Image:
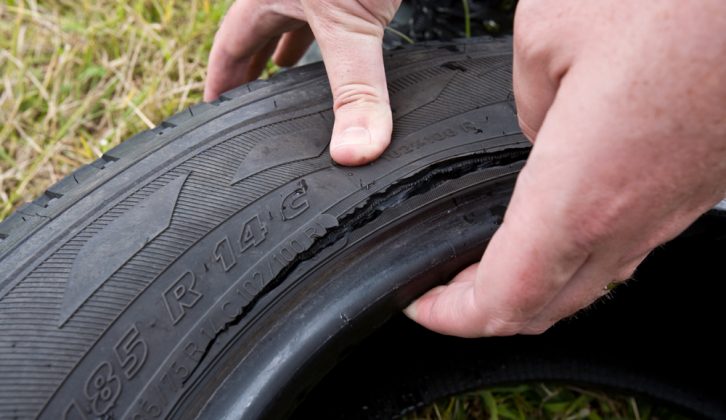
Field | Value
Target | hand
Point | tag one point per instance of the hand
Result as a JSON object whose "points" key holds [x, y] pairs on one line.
{"points": [[349, 33], [625, 103]]}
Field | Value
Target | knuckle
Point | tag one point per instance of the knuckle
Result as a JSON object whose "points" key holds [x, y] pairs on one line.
{"points": [[289, 9], [357, 95], [500, 327], [538, 38], [527, 129], [537, 328], [624, 274], [527, 36], [521, 37], [334, 17]]}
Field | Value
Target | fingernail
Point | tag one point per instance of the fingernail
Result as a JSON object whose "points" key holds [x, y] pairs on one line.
{"points": [[410, 311], [354, 136]]}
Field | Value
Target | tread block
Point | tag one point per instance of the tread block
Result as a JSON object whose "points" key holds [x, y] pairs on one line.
{"points": [[200, 108], [23, 217], [297, 74], [72, 181], [135, 142], [162, 128], [179, 118], [45, 199], [30, 209], [256, 84], [103, 161], [236, 92], [11, 224]]}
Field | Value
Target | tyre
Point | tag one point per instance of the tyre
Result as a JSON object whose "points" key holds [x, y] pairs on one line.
{"points": [[220, 264], [656, 337]]}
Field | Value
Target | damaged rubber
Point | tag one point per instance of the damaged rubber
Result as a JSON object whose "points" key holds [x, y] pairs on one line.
{"points": [[122, 287]]}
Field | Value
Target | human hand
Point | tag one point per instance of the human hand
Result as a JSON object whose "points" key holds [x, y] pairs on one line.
{"points": [[349, 32], [625, 103]]}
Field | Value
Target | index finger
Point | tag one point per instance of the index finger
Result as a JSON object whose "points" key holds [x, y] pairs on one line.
{"points": [[249, 29]]}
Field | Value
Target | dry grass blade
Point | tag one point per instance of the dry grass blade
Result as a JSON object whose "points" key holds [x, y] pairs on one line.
{"points": [[79, 77]]}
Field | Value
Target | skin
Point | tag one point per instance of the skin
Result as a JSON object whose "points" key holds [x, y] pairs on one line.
{"points": [[625, 103], [349, 34]]}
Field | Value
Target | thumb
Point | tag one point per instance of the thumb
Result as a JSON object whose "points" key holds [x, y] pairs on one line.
{"points": [[350, 37], [443, 308]]}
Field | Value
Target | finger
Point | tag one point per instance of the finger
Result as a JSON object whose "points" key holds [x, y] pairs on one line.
{"points": [[259, 61], [246, 30], [540, 246], [350, 42], [224, 72], [534, 92], [600, 190], [447, 302], [464, 278], [535, 75], [592, 282], [293, 46], [523, 269], [567, 212]]}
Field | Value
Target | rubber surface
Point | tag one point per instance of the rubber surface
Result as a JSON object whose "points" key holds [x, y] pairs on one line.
{"points": [[123, 284]]}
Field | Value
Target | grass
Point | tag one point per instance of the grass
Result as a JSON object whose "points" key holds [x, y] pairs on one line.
{"points": [[467, 18], [78, 77], [542, 401]]}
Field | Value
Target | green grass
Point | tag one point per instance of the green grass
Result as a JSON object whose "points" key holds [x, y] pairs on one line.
{"points": [[78, 77], [467, 18], [542, 401]]}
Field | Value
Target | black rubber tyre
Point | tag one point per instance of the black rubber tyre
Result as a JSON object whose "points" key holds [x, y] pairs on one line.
{"points": [[658, 338], [219, 264]]}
